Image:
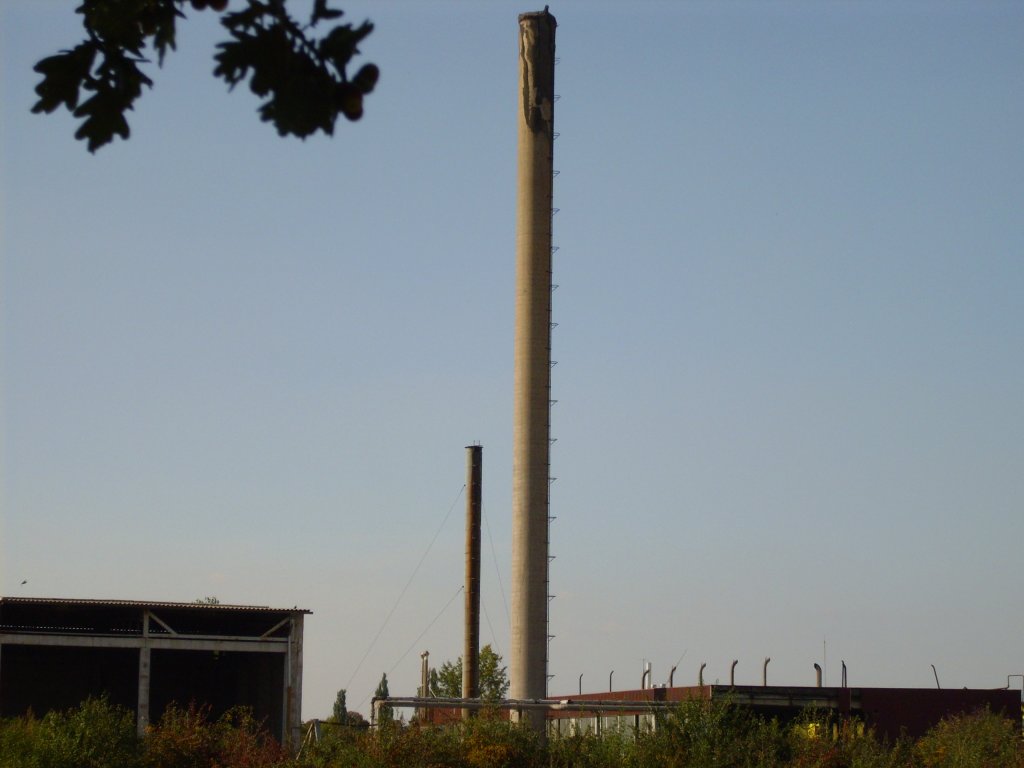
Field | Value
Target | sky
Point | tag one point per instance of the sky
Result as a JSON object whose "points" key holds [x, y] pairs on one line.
{"points": [[790, 342]]}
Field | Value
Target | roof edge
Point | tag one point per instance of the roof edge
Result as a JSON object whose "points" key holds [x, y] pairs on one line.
{"points": [[96, 603]]}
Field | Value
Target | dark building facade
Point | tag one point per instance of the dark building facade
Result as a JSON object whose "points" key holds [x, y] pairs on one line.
{"points": [[890, 712], [144, 656]]}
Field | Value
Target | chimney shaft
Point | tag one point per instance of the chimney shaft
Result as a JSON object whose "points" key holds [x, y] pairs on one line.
{"points": [[532, 385], [471, 649]]}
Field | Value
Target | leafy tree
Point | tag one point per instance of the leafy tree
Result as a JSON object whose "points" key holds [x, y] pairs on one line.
{"points": [[302, 78], [382, 693], [447, 681], [356, 720], [340, 714], [208, 600]]}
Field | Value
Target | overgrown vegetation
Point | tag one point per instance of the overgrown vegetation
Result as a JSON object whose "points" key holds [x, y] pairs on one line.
{"points": [[97, 734]]}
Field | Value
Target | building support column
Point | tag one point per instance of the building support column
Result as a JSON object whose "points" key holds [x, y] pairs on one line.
{"points": [[293, 681], [142, 715], [142, 712]]}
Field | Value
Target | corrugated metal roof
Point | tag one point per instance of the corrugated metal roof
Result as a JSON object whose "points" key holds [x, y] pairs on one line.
{"points": [[144, 604]]}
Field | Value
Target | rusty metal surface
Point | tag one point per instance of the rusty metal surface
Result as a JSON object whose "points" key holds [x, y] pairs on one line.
{"points": [[913, 711], [134, 618], [56, 601], [889, 711]]}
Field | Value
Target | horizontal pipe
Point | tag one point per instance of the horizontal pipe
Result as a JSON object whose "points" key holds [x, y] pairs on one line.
{"points": [[570, 705]]}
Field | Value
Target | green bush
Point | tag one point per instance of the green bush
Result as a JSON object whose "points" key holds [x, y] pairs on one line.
{"points": [[610, 750], [415, 747], [978, 740], [188, 738], [18, 737], [703, 734], [496, 743], [95, 734], [337, 747], [182, 738], [480, 742]]}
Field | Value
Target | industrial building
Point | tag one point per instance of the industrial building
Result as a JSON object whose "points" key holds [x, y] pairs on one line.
{"points": [[146, 655], [889, 712]]}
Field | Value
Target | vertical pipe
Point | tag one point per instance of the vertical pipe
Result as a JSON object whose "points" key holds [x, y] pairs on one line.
{"points": [[471, 648], [817, 674], [425, 712], [532, 363], [764, 672], [732, 672], [700, 675]]}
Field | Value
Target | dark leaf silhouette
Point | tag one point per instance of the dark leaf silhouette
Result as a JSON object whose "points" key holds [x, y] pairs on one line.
{"points": [[301, 78]]}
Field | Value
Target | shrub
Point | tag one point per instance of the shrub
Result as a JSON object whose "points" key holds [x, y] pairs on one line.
{"points": [[182, 738], [977, 740], [18, 738], [187, 738], [95, 734], [705, 734], [243, 742], [587, 750], [339, 747], [415, 747], [494, 743]]}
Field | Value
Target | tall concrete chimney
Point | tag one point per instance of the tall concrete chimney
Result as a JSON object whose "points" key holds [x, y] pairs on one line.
{"points": [[471, 649], [531, 428]]}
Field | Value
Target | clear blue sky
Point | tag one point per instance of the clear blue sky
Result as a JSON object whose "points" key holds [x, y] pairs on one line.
{"points": [[790, 347]]}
